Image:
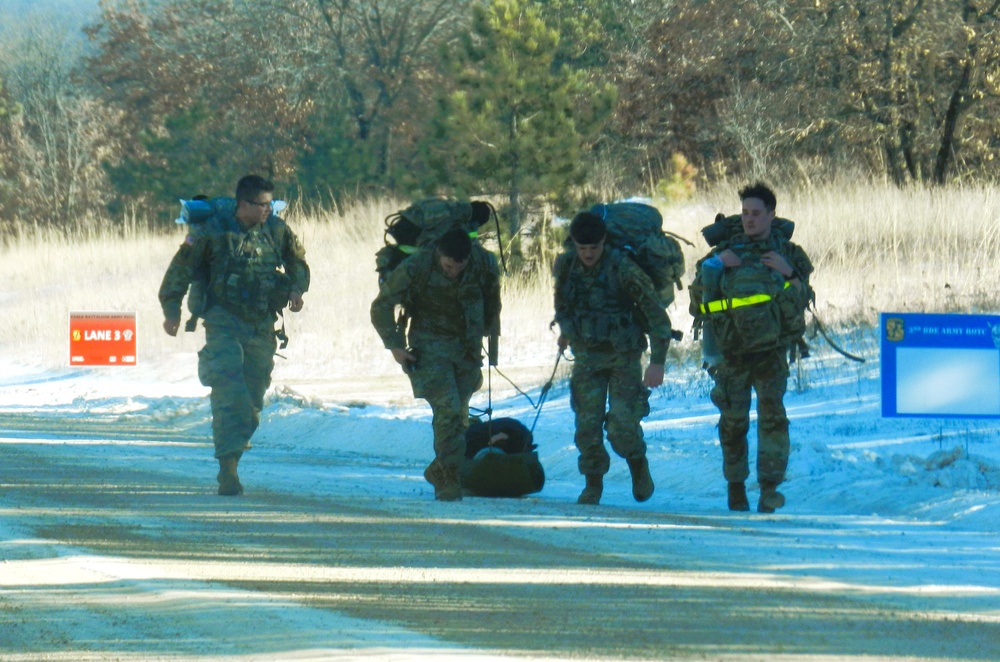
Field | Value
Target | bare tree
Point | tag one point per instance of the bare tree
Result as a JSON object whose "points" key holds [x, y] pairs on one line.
{"points": [[379, 56], [61, 133]]}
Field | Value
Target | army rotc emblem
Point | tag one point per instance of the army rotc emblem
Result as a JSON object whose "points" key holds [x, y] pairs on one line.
{"points": [[894, 330]]}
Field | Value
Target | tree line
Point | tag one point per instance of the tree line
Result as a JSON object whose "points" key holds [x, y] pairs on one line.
{"points": [[537, 103]]}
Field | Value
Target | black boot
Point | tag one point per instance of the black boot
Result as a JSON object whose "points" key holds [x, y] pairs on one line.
{"points": [[591, 494], [738, 496], [642, 482]]}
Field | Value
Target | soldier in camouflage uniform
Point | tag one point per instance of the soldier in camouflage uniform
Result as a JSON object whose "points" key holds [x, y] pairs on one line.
{"points": [[256, 266], [764, 289], [450, 291], [605, 305]]}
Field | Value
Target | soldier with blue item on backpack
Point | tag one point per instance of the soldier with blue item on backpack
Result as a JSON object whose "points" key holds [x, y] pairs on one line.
{"points": [[751, 293], [606, 305], [449, 289], [253, 266]]}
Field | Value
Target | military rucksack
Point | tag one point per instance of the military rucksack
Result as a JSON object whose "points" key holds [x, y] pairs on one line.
{"points": [[637, 229], [725, 227], [753, 321], [423, 223], [198, 214], [751, 317]]}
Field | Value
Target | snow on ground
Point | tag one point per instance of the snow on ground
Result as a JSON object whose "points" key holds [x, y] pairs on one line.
{"points": [[898, 508], [846, 458]]}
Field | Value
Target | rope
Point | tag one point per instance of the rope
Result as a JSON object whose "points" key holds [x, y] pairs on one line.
{"points": [[541, 396], [838, 348], [545, 392]]}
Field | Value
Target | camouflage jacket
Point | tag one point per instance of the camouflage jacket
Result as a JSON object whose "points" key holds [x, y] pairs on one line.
{"points": [[467, 307], [250, 273], [613, 305]]}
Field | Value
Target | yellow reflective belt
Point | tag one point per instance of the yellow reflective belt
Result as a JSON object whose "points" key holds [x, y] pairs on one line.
{"points": [[738, 302]]}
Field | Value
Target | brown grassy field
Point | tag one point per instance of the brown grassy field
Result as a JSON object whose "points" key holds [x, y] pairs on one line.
{"points": [[875, 248]]}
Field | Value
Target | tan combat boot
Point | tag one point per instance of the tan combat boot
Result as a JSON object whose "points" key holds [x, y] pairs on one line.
{"points": [[444, 478], [770, 498], [591, 494], [450, 487], [642, 482], [229, 481]]}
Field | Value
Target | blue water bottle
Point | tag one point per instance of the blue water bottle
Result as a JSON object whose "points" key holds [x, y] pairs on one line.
{"points": [[711, 275]]}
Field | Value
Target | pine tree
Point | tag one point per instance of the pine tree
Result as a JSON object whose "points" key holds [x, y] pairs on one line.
{"points": [[517, 124]]}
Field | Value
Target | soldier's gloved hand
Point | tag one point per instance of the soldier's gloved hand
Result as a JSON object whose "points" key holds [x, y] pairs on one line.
{"points": [[171, 326], [295, 302]]}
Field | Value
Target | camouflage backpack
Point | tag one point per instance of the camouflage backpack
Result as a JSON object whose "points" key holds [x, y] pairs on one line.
{"points": [[752, 319], [637, 229], [423, 223], [724, 227], [750, 316]]}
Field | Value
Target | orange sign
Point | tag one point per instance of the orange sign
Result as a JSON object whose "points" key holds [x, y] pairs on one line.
{"points": [[102, 339]]}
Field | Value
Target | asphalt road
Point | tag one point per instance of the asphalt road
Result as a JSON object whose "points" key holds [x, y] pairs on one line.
{"points": [[127, 554]]}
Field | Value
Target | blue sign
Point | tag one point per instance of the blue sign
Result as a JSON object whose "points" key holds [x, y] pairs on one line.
{"points": [[941, 366]]}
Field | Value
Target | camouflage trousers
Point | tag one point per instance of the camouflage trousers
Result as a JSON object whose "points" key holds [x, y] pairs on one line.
{"points": [[606, 392], [236, 363], [767, 374], [446, 377]]}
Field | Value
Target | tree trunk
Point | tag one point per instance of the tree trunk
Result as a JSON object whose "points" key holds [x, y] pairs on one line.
{"points": [[946, 149], [514, 193]]}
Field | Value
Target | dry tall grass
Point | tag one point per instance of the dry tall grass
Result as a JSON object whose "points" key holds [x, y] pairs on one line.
{"points": [[876, 248]]}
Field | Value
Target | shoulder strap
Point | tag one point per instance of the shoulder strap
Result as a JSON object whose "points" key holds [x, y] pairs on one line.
{"points": [[275, 228], [616, 259], [421, 263]]}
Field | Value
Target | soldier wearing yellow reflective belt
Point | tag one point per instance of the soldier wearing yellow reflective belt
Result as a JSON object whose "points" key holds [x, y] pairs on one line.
{"points": [[754, 315]]}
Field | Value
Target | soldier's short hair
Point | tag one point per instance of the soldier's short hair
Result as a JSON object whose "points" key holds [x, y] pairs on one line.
{"points": [[456, 244], [587, 228], [762, 192], [251, 186]]}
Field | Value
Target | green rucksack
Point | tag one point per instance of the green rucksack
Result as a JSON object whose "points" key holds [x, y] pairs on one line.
{"points": [[745, 326], [637, 229], [754, 320], [725, 227], [423, 223]]}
